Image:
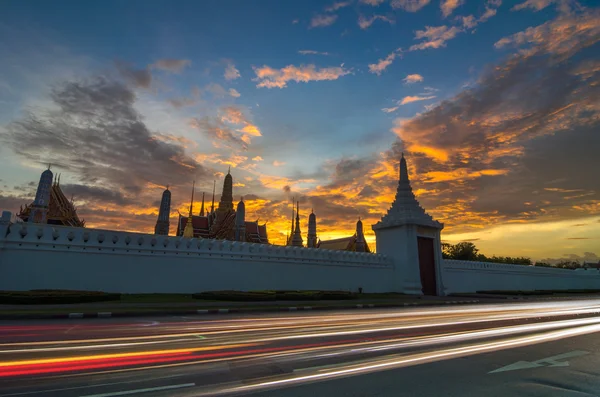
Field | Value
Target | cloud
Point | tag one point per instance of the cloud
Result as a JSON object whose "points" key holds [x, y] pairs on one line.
{"points": [[216, 90], [434, 37], [182, 102], [215, 158], [559, 38], [469, 22], [366, 22], [96, 134], [171, 65], [413, 78], [382, 64], [373, 3], [231, 73], [234, 115], [219, 132], [409, 5], [337, 5], [233, 92], [410, 99], [390, 110], [312, 52], [322, 20], [500, 138], [278, 78], [257, 158], [141, 78], [295, 21], [448, 6], [277, 163], [538, 5]]}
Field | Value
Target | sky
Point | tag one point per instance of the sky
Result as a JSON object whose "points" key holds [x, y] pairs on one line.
{"points": [[495, 104]]}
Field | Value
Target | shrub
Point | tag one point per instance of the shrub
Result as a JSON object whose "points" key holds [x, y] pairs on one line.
{"points": [[46, 297]]}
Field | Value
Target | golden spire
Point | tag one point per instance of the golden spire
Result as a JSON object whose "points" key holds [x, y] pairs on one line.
{"points": [[189, 228]]}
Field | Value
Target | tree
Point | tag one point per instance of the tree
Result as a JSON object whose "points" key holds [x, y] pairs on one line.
{"points": [[463, 251]]}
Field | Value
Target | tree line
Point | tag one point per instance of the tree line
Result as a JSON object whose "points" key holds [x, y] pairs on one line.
{"points": [[467, 251]]}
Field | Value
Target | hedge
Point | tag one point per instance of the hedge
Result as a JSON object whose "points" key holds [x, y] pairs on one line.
{"points": [[45, 297], [254, 296]]}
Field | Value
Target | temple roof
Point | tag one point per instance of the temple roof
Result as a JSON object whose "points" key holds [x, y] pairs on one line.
{"points": [[61, 210], [341, 244], [405, 209]]}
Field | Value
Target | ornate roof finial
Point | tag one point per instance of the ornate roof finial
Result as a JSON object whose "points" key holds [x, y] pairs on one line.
{"points": [[167, 187], [229, 170], [58, 182], [242, 199], [49, 165]]}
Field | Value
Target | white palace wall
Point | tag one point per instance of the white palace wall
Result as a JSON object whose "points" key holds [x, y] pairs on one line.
{"points": [[468, 276], [35, 256]]}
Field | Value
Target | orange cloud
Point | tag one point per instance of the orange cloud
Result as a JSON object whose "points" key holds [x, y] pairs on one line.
{"points": [[382, 64], [415, 98], [278, 78]]}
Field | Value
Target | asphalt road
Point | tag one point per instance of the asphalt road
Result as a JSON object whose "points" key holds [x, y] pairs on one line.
{"points": [[516, 349]]}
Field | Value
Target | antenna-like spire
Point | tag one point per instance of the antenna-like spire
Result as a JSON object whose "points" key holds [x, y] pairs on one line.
{"points": [[58, 182], [229, 170], [202, 207], [212, 206], [192, 201]]}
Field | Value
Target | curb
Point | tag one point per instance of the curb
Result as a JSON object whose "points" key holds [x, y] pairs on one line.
{"points": [[189, 312]]}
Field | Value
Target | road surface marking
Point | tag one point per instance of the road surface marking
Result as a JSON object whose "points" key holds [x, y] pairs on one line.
{"points": [[75, 315], [126, 392], [151, 324], [544, 362]]}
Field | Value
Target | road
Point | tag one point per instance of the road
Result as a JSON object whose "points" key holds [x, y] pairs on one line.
{"points": [[529, 348]]}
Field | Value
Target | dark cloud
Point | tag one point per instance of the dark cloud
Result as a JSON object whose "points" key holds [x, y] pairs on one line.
{"points": [[97, 135], [287, 189], [588, 257], [97, 194], [137, 77], [579, 238]]}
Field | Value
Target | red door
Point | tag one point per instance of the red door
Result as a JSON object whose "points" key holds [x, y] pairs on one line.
{"points": [[427, 265]]}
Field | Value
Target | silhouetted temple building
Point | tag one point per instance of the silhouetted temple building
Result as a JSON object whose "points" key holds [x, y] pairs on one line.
{"points": [[356, 242], [50, 204], [225, 222]]}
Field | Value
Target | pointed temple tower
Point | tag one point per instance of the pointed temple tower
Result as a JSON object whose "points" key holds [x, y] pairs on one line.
{"points": [[411, 237], [189, 228], [311, 237], [202, 207], [360, 245], [297, 236], [240, 222], [226, 203], [162, 223], [39, 208]]}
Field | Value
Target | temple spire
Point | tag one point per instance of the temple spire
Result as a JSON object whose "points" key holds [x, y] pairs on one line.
{"points": [[311, 237], [405, 209], [297, 237], [212, 206], [202, 207], [189, 228], [164, 211], [226, 202], [289, 240]]}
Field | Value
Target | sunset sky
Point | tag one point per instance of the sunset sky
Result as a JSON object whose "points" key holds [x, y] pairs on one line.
{"points": [[496, 105]]}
